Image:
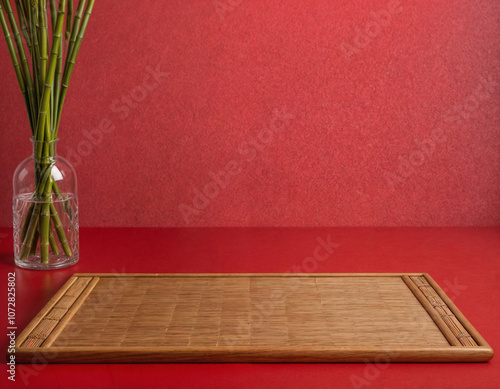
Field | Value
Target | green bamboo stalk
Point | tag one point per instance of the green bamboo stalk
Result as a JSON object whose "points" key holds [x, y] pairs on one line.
{"points": [[48, 146], [60, 231], [26, 221], [22, 55], [45, 222], [34, 243], [76, 26], [37, 34], [52, 241], [69, 19], [11, 48], [43, 168], [45, 165], [54, 91], [15, 62], [17, 39], [71, 59], [23, 21], [42, 10], [74, 33], [67, 204], [53, 13], [28, 239], [53, 105], [35, 63], [49, 81], [57, 86]]}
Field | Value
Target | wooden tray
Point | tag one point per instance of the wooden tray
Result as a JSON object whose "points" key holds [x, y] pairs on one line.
{"points": [[100, 318]]}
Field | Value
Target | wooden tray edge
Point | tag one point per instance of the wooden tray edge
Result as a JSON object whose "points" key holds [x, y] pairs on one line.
{"points": [[41, 316], [46, 308], [452, 340], [460, 316], [254, 354], [443, 327], [101, 275]]}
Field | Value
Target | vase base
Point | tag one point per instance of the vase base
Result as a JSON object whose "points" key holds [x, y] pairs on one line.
{"points": [[55, 262]]}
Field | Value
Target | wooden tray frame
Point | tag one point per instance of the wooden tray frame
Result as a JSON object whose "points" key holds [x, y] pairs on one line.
{"points": [[456, 352]]}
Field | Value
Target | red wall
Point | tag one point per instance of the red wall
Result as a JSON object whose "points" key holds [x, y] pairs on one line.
{"points": [[316, 112]]}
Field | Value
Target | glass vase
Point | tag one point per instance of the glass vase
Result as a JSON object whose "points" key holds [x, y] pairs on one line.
{"points": [[45, 208]]}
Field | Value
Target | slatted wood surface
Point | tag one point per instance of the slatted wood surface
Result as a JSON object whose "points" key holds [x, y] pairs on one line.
{"points": [[251, 318]]}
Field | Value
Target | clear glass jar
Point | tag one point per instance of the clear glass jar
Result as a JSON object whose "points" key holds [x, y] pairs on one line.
{"points": [[45, 208]]}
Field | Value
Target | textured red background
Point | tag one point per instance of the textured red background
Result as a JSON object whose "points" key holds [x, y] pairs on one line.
{"points": [[230, 64]]}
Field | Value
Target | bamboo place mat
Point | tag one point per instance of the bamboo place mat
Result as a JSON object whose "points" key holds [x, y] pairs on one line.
{"points": [[153, 318]]}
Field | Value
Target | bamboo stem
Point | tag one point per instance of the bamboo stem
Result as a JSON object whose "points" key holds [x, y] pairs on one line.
{"points": [[43, 40], [45, 222], [69, 19], [34, 243], [61, 95], [22, 57], [44, 103], [71, 57], [17, 38], [26, 246], [15, 62], [32, 19], [67, 204], [53, 13], [76, 26], [44, 168], [55, 91], [60, 231], [23, 21], [57, 86], [52, 241], [26, 222]]}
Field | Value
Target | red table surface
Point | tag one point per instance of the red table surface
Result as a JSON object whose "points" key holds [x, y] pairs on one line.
{"points": [[464, 261]]}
